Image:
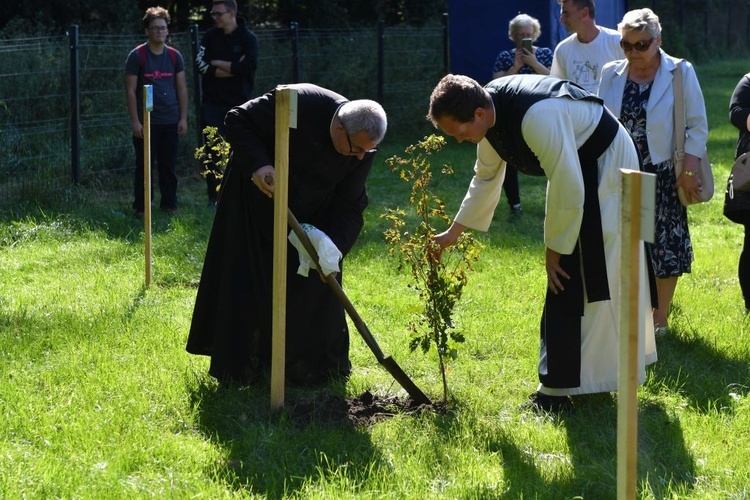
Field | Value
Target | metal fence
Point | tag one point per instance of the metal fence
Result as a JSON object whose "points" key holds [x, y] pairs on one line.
{"points": [[64, 121]]}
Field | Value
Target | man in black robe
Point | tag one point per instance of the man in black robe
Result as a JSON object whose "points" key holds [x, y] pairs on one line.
{"points": [[330, 155]]}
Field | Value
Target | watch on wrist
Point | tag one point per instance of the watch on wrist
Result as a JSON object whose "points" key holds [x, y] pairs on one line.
{"points": [[689, 173]]}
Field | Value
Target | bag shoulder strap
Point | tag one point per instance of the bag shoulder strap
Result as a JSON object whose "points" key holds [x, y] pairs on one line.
{"points": [[142, 55], [679, 109], [172, 55], [141, 49]]}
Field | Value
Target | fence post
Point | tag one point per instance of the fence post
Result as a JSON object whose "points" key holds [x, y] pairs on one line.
{"points": [[198, 90], [381, 60], [75, 105], [446, 45], [294, 33], [730, 9]]}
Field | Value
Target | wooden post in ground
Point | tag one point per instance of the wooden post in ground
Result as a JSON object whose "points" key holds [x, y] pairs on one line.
{"points": [[637, 223], [148, 106], [286, 117]]}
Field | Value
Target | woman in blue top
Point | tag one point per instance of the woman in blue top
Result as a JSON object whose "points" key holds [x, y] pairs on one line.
{"points": [[520, 60]]}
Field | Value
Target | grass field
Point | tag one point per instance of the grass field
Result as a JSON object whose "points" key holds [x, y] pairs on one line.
{"points": [[98, 398]]}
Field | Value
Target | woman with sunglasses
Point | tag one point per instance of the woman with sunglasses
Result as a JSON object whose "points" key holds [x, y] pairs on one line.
{"points": [[639, 90]]}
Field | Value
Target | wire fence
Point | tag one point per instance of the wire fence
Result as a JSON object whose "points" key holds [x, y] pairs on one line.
{"points": [[64, 121]]}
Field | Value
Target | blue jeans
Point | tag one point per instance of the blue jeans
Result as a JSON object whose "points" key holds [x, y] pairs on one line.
{"points": [[164, 141]]}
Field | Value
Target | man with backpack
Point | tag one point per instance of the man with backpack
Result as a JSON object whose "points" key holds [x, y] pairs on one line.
{"points": [[154, 63]]}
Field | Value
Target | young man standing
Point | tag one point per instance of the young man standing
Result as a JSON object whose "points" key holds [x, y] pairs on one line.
{"points": [[227, 59], [154, 63], [580, 57]]}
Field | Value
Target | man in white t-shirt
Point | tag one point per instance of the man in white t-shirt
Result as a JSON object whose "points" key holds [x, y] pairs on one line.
{"points": [[580, 57]]}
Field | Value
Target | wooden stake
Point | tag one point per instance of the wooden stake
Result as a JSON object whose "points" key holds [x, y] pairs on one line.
{"points": [[285, 107], [148, 105], [630, 320]]}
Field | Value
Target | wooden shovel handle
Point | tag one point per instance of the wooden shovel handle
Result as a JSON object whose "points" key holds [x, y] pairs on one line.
{"points": [[336, 287]]}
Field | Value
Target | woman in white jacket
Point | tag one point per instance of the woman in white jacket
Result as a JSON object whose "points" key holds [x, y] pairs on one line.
{"points": [[639, 90]]}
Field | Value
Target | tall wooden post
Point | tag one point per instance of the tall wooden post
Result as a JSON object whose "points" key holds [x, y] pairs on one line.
{"points": [[286, 117], [148, 106], [637, 223]]}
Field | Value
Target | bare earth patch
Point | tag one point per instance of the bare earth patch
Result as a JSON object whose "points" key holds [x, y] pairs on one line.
{"points": [[366, 409]]}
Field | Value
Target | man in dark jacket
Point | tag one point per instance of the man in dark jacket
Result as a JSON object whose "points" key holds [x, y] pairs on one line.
{"points": [[227, 59], [330, 155]]}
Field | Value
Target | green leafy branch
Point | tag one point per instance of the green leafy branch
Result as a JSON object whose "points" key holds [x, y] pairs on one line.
{"points": [[213, 153], [438, 279]]}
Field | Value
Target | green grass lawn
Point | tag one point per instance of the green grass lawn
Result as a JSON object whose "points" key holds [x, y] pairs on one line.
{"points": [[98, 398]]}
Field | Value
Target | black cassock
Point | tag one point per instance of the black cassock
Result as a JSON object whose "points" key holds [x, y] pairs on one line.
{"points": [[233, 308]]}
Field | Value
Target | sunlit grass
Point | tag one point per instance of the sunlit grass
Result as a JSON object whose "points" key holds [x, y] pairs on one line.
{"points": [[98, 398]]}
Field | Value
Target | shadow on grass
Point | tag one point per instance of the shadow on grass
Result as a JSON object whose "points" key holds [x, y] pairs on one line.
{"points": [[178, 241], [694, 368], [665, 465], [96, 210], [522, 475], [270, 453]]}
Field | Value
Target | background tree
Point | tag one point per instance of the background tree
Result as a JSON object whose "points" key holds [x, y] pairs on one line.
{"points": [[122, 15]]}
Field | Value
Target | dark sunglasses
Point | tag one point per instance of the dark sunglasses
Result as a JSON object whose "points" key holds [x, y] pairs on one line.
{"points": [[640, 46]]}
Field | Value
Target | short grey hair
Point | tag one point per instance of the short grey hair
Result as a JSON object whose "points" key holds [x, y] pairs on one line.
{"points": [[640, 20], [524, 20], [364, 115]]}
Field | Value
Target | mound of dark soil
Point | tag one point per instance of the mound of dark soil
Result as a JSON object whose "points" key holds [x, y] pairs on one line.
{"points": [[366, 409]]}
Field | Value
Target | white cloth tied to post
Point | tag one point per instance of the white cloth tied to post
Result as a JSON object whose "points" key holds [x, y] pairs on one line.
{"points": [[328, 253]]}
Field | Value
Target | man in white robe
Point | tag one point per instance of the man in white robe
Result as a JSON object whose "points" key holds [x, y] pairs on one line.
{"points": [[543, 125]]}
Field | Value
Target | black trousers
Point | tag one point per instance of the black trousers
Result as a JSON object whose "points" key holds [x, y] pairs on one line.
{"points": [[510, 185], [164, 142]]}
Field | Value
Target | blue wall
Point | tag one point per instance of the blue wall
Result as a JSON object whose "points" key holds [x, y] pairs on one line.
{"points": [[479, 29]]}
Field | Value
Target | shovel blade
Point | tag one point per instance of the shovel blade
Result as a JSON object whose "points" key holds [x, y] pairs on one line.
{"points": [[402, 378]]}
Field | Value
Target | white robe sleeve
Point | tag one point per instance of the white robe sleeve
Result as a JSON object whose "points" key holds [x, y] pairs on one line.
{"points": [[483, 194]]}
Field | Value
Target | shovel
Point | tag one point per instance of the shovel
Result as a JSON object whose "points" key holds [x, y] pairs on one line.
{"points": [[388, 362]]}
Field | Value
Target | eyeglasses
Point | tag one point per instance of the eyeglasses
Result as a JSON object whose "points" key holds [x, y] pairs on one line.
{"points": [[358, 151], [640, 46], [158, 29], [217, 15]]}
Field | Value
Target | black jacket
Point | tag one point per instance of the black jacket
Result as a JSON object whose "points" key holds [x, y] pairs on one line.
{"points": [[232, 47], [737, 206]]}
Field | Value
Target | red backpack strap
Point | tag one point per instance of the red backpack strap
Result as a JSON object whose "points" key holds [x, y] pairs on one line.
{"points": [[141, 55], [172, 55]]}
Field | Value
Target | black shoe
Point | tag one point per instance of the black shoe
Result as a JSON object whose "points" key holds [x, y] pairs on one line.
{"points": [[515, 209], [138, 214], [542, 403]]}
